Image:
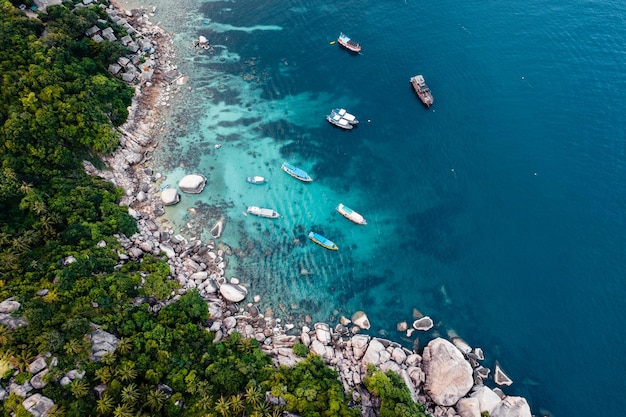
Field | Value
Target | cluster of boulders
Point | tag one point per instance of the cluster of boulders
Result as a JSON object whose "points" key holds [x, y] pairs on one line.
{"points": [[192, 184]]}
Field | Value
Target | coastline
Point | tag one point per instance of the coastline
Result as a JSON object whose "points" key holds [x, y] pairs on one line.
{"points": [[201, 265]]}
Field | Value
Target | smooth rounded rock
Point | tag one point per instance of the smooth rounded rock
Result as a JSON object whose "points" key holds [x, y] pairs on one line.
{"points": [[233, 293], [193, 183], [170, 196]]}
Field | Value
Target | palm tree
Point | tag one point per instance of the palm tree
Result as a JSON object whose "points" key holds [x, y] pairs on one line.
{"points": [[203, 402], [124, 346], [122, 410], [245, 345], [156, 399], [203, 388], [108, 358], [254, 396], [56, 411], [104, 374], [79, 388], [127, 371], [222, 406], [5, 335], [130, 394], [73, 347], [237, 404], [105, 404], [39, 207]]}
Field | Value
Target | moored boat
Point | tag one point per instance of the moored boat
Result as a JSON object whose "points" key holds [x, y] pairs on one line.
{"points": [[348, 117], [322, 241], [256, 180], [296, 172], [350, 214], [263, 212], [349, 44], [422, 90], [335, 119], [341, 118]]}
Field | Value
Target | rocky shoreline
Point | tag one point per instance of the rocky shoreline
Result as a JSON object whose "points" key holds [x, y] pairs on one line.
{"points": [[447, 377]]}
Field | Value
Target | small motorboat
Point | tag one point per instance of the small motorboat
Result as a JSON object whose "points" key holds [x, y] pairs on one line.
{"points": [[322, 241], [256, 180], [350, 214], [263, 212]]}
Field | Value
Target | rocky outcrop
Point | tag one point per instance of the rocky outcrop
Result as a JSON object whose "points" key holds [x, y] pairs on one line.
{"points": [[102, 343], [487, 399], [38, 405], [468, 407], [7, 308], [511, 407], [448, 374], [193, 184]]}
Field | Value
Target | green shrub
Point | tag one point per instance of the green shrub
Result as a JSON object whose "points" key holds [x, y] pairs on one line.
{"points": [[300, 350], [22, 377]]}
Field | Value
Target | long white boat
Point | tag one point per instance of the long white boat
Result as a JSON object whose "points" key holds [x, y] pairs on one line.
{"points": [[263, 212], [350, 214], [257, 179], [296, 172]]}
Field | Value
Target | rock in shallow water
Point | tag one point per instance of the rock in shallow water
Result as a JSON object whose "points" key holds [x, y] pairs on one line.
{"points": [[193, 183], [170, 196]]}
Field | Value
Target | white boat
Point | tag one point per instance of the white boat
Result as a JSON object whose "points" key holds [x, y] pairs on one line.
{"points": [[350, 214], [256, 180], [263, 212], [350, 118], [341, 118]]}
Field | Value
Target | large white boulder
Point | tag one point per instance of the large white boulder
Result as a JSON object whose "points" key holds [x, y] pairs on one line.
{"points": [[487, 399], [448, 374], [374, 353], [233, 292], [360, 319], [322, 333], [359, 345], [468, 407], [193, 183], [512, 407], [9, 306], [38, 405], [170, 196]]}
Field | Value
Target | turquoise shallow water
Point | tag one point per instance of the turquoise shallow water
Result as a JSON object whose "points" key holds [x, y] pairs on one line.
{"points": [[499, 212]]}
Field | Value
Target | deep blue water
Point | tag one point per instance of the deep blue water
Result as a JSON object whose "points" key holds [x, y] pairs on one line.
{"points": [[499, 212]]}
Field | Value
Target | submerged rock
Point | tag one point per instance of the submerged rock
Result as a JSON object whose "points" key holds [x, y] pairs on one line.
{"points": [[499, 377], [425, 323]]}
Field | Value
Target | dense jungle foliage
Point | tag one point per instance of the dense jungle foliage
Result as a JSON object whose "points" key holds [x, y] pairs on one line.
{"points": [[59, 106]]}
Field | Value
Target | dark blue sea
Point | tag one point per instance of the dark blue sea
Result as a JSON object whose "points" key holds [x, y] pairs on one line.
{"points": [[499, 211]]}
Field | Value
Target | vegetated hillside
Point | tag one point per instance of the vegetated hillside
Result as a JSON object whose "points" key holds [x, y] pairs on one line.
{"points": [[58, 257]]}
